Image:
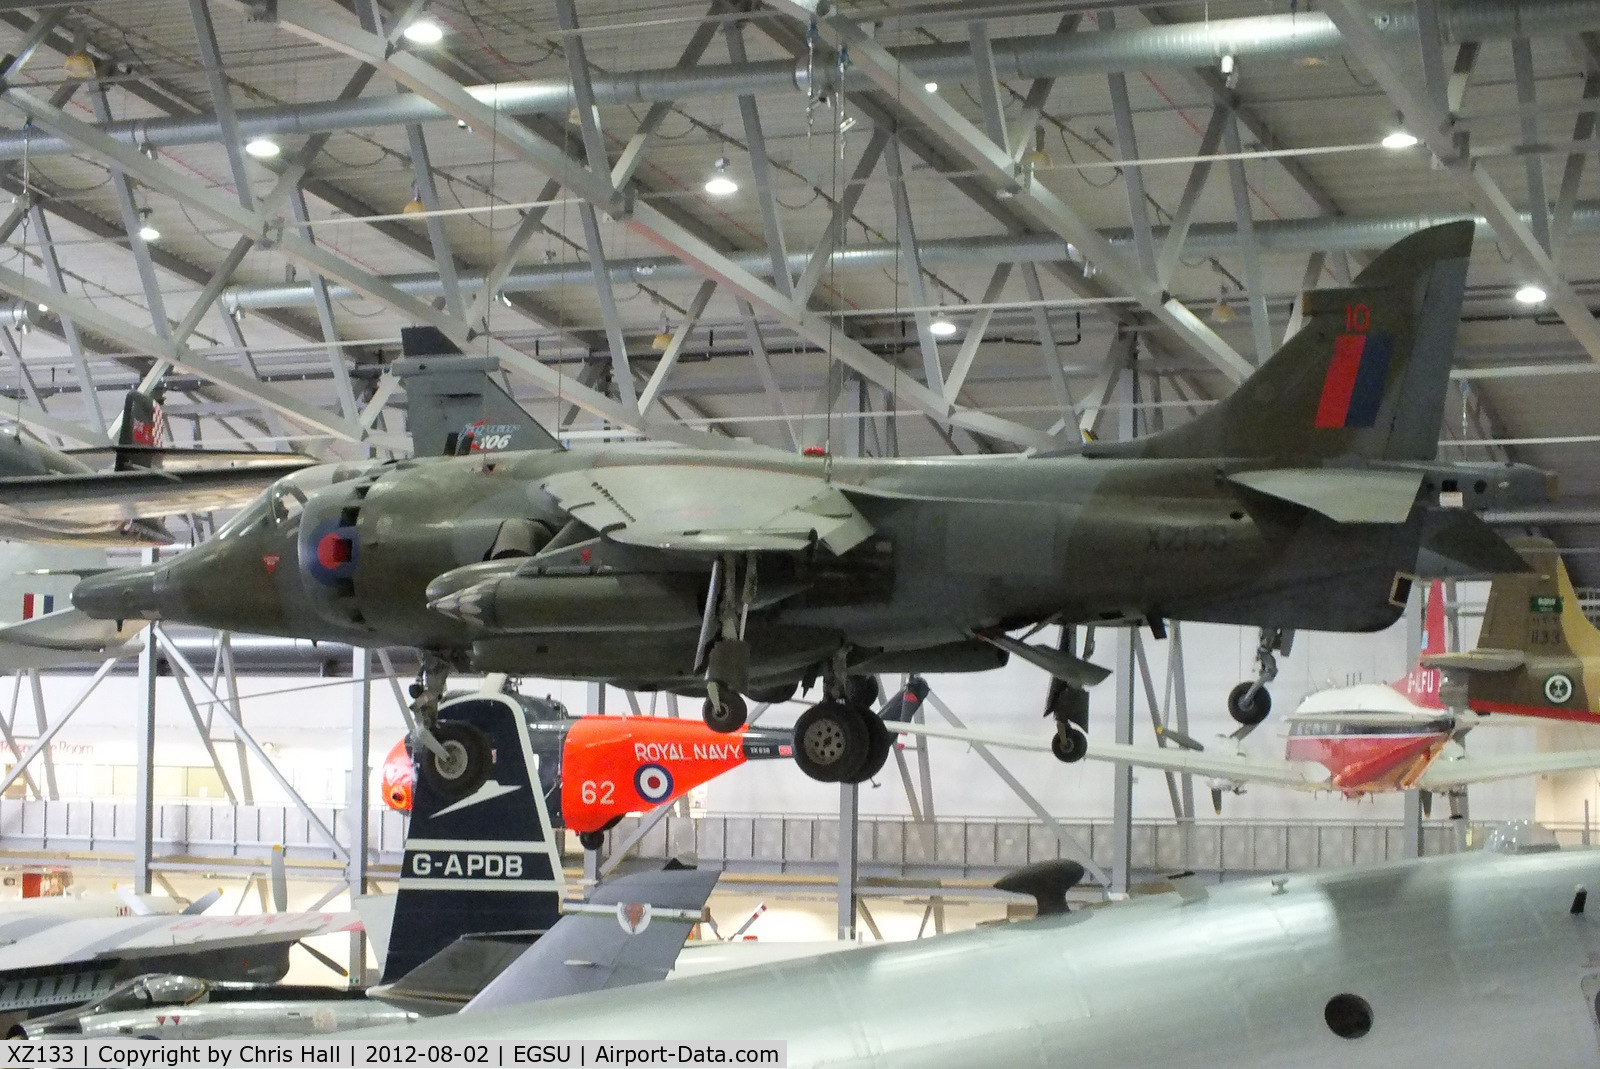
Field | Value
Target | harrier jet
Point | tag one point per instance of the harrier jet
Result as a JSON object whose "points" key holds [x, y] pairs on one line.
{"points": [[1300, 501]]}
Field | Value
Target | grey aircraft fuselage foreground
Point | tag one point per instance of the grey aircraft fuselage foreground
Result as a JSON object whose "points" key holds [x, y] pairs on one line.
{"points": [[1473, 961], [1302, 500]]}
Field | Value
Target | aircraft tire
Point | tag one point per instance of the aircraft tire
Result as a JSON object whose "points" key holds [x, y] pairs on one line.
{"points": [[1252, 713], [1069, 743], [862, 691], [727, 715], [832, 742], [776, 694], [882, 742], [591, 840], [472, 759]]}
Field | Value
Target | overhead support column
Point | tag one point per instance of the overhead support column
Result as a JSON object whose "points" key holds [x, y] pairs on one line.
{"points": [[144, 758], [1437, 131], [1244, 219], [849, 811], [1023, 193], [357, 803]]}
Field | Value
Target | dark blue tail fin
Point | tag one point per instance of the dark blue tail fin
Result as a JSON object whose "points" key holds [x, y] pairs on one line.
{"points": [[489, 862]]}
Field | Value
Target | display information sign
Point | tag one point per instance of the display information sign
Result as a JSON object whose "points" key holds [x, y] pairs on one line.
{"points": [[230, 1054]]}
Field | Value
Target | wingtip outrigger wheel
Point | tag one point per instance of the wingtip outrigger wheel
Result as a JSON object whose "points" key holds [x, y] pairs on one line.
{"points": [[1249, 703]]}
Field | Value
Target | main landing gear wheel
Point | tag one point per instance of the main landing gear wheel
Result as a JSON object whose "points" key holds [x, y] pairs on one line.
{"points": [[591, 840], [1069, 743], [1246, 708], [880, 745], [832, 743], [726, 712], [464, 766]]}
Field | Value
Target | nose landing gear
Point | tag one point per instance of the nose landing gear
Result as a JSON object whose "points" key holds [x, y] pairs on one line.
{"points": [[453, 757], [722, 649]]}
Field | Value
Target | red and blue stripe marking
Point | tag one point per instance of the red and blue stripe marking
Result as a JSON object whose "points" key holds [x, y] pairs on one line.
{"points": [[1352, 393]]}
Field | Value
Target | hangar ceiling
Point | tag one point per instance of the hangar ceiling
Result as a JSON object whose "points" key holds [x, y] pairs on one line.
{"points": [[955, 227]]}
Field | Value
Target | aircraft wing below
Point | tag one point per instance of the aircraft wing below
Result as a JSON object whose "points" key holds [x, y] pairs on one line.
{"points": [[112, 497], [111, 938], [709, 508], [63, 638], [1444, 775], [1299, 775]]}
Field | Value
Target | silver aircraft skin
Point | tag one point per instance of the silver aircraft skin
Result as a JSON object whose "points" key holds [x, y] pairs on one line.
{"points": [[1469, 960]]}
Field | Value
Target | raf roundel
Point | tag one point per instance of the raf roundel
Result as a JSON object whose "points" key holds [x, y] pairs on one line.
{"points": [[1558, 688], [653, 783]]}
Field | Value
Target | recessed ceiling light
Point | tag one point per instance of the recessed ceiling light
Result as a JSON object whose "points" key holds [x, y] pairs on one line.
{"points": [[720, 184], [1531, 294], [424, 32], [1399, 139], [942, 327], [930, 87], [262, 148]]}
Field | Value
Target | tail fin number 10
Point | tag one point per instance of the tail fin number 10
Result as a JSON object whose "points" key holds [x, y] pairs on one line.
{"points": [[1357, 317]]}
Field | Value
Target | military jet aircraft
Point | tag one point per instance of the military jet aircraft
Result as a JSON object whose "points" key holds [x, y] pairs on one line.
{"points": [[1302, 500], [47, 495]]}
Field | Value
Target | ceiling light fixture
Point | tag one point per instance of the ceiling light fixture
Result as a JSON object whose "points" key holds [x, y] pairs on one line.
{"points": [[1222, 312], [149, 233], [719, 184], [414, 206], [930, 87], [79, 65], [262, 148], [424, 32], [1399, 139], [1531, 294], [941, 326]]}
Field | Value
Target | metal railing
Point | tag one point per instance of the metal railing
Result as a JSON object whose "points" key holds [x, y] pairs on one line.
{"points": [[948, 848]]}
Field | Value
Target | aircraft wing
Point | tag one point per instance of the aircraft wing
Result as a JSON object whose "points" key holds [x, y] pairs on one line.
{"points": [[1479, 660], [1444, 775], [709, 508], [1299, 775], [63, 638], [112, 938], [112, 497]]}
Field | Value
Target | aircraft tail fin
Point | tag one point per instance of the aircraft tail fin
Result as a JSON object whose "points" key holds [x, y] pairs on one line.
{"points": [[1535, 646], [629, 932], [1365, 379], [143, 429], [486, 863], [454, 405]]}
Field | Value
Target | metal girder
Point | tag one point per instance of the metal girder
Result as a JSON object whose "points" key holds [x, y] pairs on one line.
{"points": [[1587, 51], [1038, 93], [994, 114], [680, 336], [1538, 203], [1025, 195], [1178, 232], [110, 326], [760, 169], [621, 369], [906, 235], [316, 259], [532, 222], [1244, 218], [843, 208], [330, 328], [1460, 75], [650, 222], [69, 329], [1144, 244], [633, 152], [769, 381], [132, 225], [975, 330], [34, 414], [1435, 129], [221, 99], [1047, 340], [443, 256]]}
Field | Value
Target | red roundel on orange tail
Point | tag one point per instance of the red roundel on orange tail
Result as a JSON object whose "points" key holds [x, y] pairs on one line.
{"points": [[398, 778], [615, 765]]}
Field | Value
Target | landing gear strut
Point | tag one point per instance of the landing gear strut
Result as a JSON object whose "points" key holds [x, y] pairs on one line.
{"points": [[453, 757], [842, 740], [1070, 705], [722, 650], [1249, 703]]}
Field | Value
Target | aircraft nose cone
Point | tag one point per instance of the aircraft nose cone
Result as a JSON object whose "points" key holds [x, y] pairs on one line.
{"points": [[125, 594]]}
